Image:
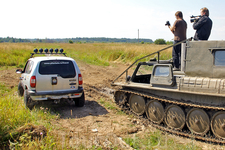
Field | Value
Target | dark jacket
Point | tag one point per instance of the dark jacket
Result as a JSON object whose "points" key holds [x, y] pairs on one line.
{"points": [[203, 28]]}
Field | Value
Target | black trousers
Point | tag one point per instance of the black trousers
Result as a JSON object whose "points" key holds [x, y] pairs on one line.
{"points": [[176, 54]]}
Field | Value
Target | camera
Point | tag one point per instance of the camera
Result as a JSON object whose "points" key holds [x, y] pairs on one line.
{"points": [[194, 18], [167, 23]]}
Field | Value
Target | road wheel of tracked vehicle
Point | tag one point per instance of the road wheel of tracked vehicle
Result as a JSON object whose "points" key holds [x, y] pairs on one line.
{"points": [[120, 98], [198, 121], [155, 111], [175, 117], [218, 124], [137, 104]]}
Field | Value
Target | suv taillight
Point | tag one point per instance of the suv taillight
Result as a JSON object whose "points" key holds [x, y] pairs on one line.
{"points": [[80, 79], [33, 82]]}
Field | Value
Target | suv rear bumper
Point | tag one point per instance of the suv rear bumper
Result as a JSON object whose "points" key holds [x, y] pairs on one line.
{"points": [[56, 95]]}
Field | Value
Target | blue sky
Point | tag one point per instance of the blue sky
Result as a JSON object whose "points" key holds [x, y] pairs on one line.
{"points": [[103, 18]]}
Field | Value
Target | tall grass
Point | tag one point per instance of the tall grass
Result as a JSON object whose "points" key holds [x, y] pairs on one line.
{"points": [[104, 53], [13, 115], [16, 54]]}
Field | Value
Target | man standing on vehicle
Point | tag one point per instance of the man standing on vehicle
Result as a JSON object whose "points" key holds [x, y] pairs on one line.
{"points": [[203, 25], [179, 29]]}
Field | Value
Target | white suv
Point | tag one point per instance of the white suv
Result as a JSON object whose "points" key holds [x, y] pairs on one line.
{"points": [[50, 78]]}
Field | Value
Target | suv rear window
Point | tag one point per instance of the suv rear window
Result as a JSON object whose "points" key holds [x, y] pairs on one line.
{"points": [[63, 68]]}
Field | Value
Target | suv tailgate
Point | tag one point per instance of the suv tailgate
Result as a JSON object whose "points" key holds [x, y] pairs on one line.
{"points": [[56, 75]]}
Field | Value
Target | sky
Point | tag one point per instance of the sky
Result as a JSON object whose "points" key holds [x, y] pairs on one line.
{"points": [[104, 18]]}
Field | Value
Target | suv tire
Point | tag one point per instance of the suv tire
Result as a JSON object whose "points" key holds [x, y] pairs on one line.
{"points": [[27, 100], [20, 89], [79, 102]]}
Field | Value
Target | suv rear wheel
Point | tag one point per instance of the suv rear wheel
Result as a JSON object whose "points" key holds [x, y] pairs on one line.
{"points": [[27, 100], [79, 102], [20, 89]]}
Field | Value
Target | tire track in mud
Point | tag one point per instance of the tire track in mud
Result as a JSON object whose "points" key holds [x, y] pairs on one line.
{"points": [[94, 124], [102, 91]]}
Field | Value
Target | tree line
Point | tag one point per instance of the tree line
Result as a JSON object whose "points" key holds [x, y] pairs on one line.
{"points": [[85, 40], [76, 40], [13, 40]]}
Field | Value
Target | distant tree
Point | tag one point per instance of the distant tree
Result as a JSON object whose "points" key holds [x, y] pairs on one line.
{"points": [[142, 42], [12, 40], [160, 41], [70, 41], [169, 42]]}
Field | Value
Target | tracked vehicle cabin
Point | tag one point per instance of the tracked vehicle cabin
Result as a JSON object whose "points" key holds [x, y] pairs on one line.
{"points": [[200, 59], [205, 59]]}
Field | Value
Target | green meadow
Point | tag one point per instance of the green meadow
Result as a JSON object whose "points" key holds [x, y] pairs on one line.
{"points": [[16, 54]]}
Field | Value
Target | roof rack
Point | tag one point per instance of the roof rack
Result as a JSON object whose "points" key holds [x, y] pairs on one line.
{"points": [[46, 51]]}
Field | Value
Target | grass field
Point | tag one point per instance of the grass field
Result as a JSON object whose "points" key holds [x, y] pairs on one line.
{"points": [[16, 54], [13, 114]]}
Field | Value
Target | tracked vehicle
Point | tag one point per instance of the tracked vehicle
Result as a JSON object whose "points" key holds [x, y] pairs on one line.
{"points": [[189, 102]]}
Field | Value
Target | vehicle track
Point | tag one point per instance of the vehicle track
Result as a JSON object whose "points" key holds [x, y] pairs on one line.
{"points": [[184, 132]]}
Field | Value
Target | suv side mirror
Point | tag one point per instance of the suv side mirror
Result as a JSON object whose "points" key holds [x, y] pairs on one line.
{"points": [[19, 71]]}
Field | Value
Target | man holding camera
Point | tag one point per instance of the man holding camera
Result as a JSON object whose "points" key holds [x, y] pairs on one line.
{"points": [[179, 29], [203, 25]]}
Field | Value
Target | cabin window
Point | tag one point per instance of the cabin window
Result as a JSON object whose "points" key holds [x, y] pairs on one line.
{"points": [[162, 71], [144, 69], [219, 59], [142, 73]]}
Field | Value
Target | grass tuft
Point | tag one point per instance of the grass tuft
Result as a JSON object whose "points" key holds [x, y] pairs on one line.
{"points": [[13, 115]]}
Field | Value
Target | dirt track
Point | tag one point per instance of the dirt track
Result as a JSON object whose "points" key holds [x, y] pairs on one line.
{"points": [[94, 124]]}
